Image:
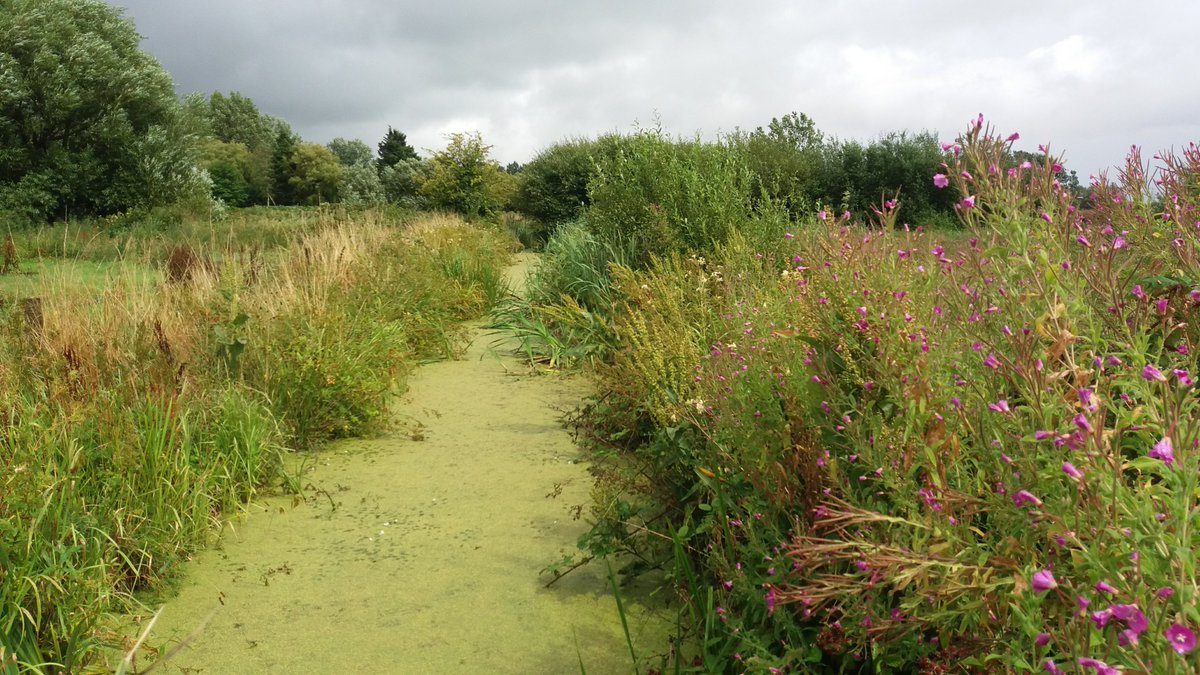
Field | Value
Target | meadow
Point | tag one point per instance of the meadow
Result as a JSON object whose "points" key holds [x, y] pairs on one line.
{"points": [[857, 444], [155, 373]]}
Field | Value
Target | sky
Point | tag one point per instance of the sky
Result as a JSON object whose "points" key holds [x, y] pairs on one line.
{"points": [[1088, 78]]}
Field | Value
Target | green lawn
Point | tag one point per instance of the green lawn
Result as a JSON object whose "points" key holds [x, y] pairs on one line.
{"points": [[48, 274]]}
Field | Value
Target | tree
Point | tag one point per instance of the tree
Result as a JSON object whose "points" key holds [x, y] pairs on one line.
{"points": [[393, 149], [228, 183], [351, 152], [281, 167], [235, 119], [462, 178], [361, 185], [784, 159], [402, 182], [553, 186], [315, 173], [89, 122]]}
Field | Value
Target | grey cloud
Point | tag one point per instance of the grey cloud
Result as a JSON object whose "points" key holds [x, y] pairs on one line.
{"points": [[1093, 78]]}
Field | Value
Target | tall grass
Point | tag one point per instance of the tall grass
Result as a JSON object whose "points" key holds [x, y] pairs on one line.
{"points": [[137, 415]]}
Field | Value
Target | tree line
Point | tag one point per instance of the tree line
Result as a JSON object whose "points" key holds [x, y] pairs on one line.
{"points": [[90, 125]]}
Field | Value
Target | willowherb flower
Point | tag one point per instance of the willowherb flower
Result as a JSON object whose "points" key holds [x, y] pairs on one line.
{"points": [[991, 362], [1100, 667], [1052, 668], [1164, 593], [1088, 400], [1000, 406], [1042, 639], [1152, 374], [940, 180], [968, 202], [1133, 617], [1105, 587], [1023, 497], [1042, 435], [1069, 469], [1164, 450], [1185, 380], [1043, 581], [1182, 639], [1082, 422]]}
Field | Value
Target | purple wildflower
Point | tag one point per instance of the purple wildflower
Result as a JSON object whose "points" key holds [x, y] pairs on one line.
{"points": [[1164, 450], [940, 180], [1023, 497], [1100, 667], [1182, 639], [1069, 469], [1105, 587], [1153, 374], [991, 362], [1043, 581]]}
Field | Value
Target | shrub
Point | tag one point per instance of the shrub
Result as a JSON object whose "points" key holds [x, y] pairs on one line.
{"points": [[876, 450], [554, 184]]}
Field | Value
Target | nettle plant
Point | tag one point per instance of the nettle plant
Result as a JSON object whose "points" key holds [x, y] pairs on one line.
{"points": [[1010, 425]]}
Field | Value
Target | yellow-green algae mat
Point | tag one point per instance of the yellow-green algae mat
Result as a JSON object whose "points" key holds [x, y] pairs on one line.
{"points": [[432, 560]]}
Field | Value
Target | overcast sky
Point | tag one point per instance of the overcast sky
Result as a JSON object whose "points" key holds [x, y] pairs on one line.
{"points": [[1091, 78]]}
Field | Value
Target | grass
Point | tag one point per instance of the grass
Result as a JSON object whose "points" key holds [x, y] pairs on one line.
{"points": [[139, 410], [44, 274]]}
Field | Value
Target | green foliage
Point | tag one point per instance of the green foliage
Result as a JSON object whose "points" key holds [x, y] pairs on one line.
{"points": [[351, 152], [88, 122], [462, 178], [236, 119], [282, 151], [138, 412], [394, 149], [860, 177], [784, 159], [228, 183], [314, 174], [662, 195], [554, 185], [401, 182], [361, 185]]}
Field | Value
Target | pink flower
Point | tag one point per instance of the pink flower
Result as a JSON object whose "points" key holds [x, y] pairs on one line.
{"points": [[1043, 581], [1105, 587], [1082, 422], [940, 180], [1100, 667], [1181, 638], [1024, 497], [1164, 450], [1153, 374], [1088, 400], [992, 362], [1069, 469], [1000, 406], [1185, 380], [968, 202], [1013, 137], [1133, 617], [821, 215], [1050, 667]]}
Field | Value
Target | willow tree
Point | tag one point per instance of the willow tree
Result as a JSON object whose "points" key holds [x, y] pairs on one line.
{"points": [[89, 122]]}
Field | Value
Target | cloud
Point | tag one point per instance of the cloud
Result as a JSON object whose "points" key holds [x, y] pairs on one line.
{"points": [[1091, 78]]}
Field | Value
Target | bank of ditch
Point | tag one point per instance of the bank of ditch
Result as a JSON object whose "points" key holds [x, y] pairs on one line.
{"points": [[421, 550]]}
